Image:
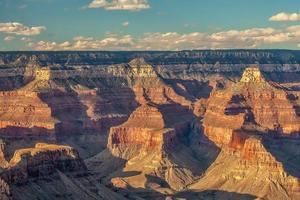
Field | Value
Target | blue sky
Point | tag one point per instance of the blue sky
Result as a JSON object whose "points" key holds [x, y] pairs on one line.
{"points": [[148, 24]]}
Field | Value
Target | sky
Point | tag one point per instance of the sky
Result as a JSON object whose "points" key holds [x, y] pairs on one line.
{"points": [[148, 24]]}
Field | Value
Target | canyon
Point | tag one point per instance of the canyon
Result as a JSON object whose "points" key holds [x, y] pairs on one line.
{"points": [[220, 124]]}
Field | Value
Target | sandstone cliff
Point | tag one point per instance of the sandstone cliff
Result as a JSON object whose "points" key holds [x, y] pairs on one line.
{"points": [[42, 160], [245, 121], [151, 124]]}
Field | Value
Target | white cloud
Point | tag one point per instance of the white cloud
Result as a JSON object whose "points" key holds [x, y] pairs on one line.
{"points": [[110, 42], [20, 29], [125, 24], [132, 5], [9, 38], [249, 38], [294, 30], [283, 16]]}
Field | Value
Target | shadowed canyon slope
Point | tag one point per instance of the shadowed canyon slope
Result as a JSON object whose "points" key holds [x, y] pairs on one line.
{"points": [[150, 125]]}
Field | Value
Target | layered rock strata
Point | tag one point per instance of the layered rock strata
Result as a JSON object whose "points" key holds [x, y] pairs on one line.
{"points": [[149, 127], [252, 103], [245, 121], [23, 112], [41, 161]]}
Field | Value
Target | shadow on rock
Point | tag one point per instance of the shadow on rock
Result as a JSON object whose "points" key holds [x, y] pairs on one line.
{"points": [[214, 195], [190, 89], [285, 150]]}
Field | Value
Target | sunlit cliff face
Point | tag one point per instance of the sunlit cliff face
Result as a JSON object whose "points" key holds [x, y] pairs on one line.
{"points": [[149, 130], [252, 74]]}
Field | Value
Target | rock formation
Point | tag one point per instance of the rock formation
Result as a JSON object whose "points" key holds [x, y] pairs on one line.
{"points": [[149, 127], [251, 102], [159, 125], [37, 163], [42, 160], [24, 110], [242, 121]]}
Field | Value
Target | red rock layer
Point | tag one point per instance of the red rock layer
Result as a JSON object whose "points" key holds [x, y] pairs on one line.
{"points": [[24, 110], [150, 127], [249, 103], [158, 93], [218, 126], [272, 109], [255, 154], [238, 120]]}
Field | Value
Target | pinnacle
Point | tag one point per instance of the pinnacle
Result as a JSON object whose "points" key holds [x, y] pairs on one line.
{"points": [[252, 74]]}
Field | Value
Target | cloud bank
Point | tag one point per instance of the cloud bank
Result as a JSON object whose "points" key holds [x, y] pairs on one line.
{"points": [[20, 29], [131, 5], [283, 16], [249, 38]]}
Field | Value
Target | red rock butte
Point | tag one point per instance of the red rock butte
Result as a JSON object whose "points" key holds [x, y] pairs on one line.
{"points": [[86, 126], [252, 101]]}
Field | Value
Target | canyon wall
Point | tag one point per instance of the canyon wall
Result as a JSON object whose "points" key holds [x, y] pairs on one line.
{"points": [[151, 124]]}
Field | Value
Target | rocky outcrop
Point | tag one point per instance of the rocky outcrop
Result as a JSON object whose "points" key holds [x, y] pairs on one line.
{"points": [[149, 142], [41, 161], [245, 121], [37, 163], [252, 103], [173, 120], [252, 75], [253, 170], [146, 83], [254, 153], [25, 110], [73, 105], [148, 128]]}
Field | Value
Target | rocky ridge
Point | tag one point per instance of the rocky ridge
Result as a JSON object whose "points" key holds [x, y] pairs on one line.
{"points": [[243, 121], [154, 130]]}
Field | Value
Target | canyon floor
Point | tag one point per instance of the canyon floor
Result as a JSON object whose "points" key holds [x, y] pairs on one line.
{"points": [[150, 125]]}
